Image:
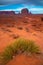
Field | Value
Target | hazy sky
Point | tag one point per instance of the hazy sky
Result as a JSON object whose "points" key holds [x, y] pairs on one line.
{"points": [[35, 6]]}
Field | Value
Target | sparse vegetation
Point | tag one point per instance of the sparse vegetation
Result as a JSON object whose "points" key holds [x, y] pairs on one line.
{"points": [[10, 25], [6, 56], [14, 36], [34, 25], [5, 29], [20, 28], [41, 18], [27, 29], [8, 30], [26, 22], [19, 46], [26, 45]]}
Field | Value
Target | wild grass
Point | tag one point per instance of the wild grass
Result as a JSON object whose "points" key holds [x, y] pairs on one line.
{"points": [[19, 46], [6, 56], [25, 45]]}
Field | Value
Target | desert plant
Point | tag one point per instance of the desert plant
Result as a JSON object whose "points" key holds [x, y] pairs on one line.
{"points": [[25, 45], [33, 48], [19, 46], [20, 28], [27, 29], [41, 18], [6, 55], [26, 22], [14, 36]]}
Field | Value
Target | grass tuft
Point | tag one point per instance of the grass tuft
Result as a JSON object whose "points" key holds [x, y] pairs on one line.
{"points": [[19, 46]]}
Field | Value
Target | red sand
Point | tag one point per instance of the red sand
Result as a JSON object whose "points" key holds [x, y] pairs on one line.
{"points": [[26, 60], [34, 32]]}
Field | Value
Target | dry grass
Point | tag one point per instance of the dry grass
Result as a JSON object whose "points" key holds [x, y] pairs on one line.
{"points": [[19, 46]]}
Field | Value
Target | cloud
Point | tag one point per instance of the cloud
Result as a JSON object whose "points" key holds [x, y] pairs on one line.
{"points": [[4, 2], [33, 2], [36, 10]]}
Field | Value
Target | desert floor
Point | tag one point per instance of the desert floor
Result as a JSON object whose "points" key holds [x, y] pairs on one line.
{"points": [[22, 27]]}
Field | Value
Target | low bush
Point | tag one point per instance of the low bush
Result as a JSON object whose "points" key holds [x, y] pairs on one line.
{"points": [[20, 28], [7, 55], [19, 46], [27, 29], [26, 22], [14, 36], [33, 48], [25, 45], [41, 18]]}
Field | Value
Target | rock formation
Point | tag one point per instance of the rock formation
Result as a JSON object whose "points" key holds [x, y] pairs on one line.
{"points": [[24, 11], [7, 13]]}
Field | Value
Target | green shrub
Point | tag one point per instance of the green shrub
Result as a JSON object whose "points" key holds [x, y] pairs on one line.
{"points": [[19, 46], [33, 48], [25, 45], [6, 55]]}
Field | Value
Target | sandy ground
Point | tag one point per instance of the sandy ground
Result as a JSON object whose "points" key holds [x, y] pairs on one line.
{"points": [[21, 27], [26, 60]]}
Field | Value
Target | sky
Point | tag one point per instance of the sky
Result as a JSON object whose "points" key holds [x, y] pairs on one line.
{"points": [[34, 6]]}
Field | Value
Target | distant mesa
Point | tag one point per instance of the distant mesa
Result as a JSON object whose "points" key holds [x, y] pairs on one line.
{"points": [[25, 11], [7, 12]]}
